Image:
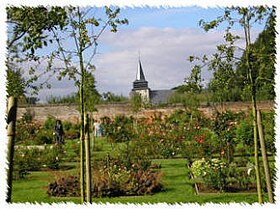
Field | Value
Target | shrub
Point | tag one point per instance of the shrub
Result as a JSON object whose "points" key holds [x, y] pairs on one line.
{"points": [[49, 123], [44, 137], [67, 186], [71, 150], [118, 180], [212, 172], [72, 134], [27, 132], [111, 180], [120, 129], [33, 159]]}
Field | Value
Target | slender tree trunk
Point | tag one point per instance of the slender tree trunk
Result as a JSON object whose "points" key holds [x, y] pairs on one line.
{"points": [[256, 150], [254, 103], [82, 112], [82, 137], [11, 132], [88, 162], [265, 160]]}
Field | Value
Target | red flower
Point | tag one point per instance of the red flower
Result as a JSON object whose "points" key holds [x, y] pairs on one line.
{"points": [[200, 139]]}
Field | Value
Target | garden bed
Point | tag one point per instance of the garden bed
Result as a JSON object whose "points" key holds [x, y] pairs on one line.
{"points": [[202, 189]]}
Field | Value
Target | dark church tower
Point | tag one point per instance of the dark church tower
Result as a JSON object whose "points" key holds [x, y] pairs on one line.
{"points": [[140, 85]]}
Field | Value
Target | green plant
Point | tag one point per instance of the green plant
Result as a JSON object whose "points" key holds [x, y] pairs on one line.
{"points": [[49, 123], [64, 186], [211, 172], [34, 158], [118, 130], [45, 137], [117, 180]]}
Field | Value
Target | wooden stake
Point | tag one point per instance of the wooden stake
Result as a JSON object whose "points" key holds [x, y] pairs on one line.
{"points": [[264, 157], [88, 160], [11, 133]]}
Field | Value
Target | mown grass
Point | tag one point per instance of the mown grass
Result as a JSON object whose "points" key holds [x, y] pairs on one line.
{"points": [[178, 188]]}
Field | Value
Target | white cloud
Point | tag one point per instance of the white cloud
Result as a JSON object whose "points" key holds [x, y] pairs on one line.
{"points": [[164, 53]]}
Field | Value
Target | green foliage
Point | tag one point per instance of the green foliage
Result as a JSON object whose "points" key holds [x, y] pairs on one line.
{"points": [[224, 85], [49, 123], [91, 95], [71, 131], [251, 74], [268, 123], [119, 130], [15, 83], [31, 132], [193, 82], [33, 159], [110, 179], [244, 133], [71, 150], [115, 180], [190, 101], [224, 125], [30, 23], [27, 131], [68, 99], [211, 171], [263, 62], [29, 31], [136, 102], [110, 97]]}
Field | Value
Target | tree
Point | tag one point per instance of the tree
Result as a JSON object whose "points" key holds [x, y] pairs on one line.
{"points": [[226, 54], [24, 35], [224, 85], [15, 83], [74, 38], [92, 97], [193, 82], [136, 102], [264, 65], [27, 33], [81, 24]]}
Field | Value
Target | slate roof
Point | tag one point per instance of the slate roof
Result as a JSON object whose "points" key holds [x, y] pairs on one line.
{"points": [[140, 74], [140, 83], [160, 96]]}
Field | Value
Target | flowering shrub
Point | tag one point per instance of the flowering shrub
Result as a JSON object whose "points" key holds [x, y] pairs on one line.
{"points": [[67, 186], [224, 125], [118, 180], [212, 172], [182, 133], [27, 132], [33, 159], [118, 130], [111, 180]]}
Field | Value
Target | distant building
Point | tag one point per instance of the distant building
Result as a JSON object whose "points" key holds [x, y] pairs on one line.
{"points": [[140, 86]]}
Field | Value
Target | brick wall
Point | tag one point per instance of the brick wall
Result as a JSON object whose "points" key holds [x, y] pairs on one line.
{"points": [[71, 113]]}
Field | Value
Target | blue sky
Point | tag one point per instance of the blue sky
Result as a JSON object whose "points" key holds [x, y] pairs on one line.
{"points": [[165, 37]]}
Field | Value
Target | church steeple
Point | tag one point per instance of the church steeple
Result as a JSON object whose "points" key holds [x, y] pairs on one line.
{"points": [[140, 82], [140, 74], [140, 85]]}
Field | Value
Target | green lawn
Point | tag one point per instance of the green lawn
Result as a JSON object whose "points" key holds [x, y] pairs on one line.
{"points": [[178, 187]]}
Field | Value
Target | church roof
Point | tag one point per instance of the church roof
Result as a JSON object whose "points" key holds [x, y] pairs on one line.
{"points": [[160, 96], [140, 82], [140, 74]]}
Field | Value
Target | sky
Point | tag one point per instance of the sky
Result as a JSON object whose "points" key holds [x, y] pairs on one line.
{"points": [[163, 38]]}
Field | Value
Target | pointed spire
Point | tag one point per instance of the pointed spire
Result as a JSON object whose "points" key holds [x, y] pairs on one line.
{"points": [[140, 74]]}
